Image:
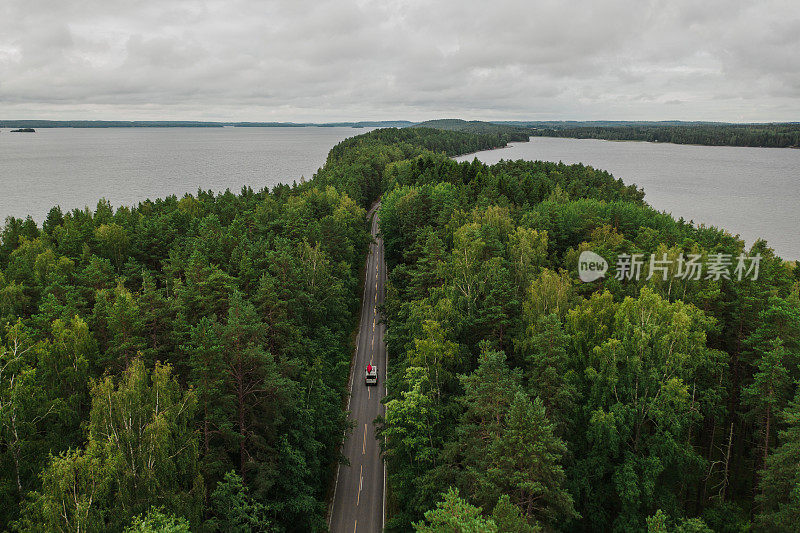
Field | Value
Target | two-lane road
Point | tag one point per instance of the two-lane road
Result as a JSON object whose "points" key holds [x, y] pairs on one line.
{"points": [[358, 499]]}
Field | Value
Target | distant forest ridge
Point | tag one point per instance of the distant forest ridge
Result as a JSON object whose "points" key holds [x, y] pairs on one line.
{"points": [[772, 135]]}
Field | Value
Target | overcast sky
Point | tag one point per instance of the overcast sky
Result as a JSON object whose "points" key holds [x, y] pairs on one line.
{"points": [[324, 60]]}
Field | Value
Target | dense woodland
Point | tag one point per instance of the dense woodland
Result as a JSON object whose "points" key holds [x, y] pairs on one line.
{"points": [[777, 135], [521, 399], [182, 364], [185, 361], [761, 135], [510, 133]]}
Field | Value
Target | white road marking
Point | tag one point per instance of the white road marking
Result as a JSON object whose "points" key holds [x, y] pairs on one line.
{"points": [[360, 482], [383, 517]]}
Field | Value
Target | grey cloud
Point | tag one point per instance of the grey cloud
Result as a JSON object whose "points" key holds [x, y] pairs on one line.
{"points": [[356, 59]]}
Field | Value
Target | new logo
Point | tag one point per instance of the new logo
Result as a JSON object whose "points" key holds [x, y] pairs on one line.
{"points": [[591, 266]]}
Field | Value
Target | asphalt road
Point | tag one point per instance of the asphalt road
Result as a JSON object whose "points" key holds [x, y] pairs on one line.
{"points": [[358, 500]]}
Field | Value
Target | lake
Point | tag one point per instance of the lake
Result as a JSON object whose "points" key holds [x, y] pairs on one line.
{"points": [[753, 192], [74, 167]]}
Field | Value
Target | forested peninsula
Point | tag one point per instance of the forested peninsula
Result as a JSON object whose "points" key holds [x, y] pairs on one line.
{"points": [[770, 135], [756, 135], [183, 364]]}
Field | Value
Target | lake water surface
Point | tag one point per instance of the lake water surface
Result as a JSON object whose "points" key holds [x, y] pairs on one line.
{"points": [[753, 192], [74, 167]]}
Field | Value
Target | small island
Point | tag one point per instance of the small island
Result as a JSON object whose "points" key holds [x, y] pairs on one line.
{"points": [[24, 130]]}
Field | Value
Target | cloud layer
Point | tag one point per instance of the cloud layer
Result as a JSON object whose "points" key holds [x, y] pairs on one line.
{"points": [[351, 60]]}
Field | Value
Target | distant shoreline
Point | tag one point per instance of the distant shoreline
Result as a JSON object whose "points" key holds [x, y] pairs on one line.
{"points": [[86, 124], [661, 142], [629, 141]]}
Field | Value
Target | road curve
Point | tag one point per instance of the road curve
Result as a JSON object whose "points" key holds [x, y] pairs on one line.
{"points": [[358, 498]]}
